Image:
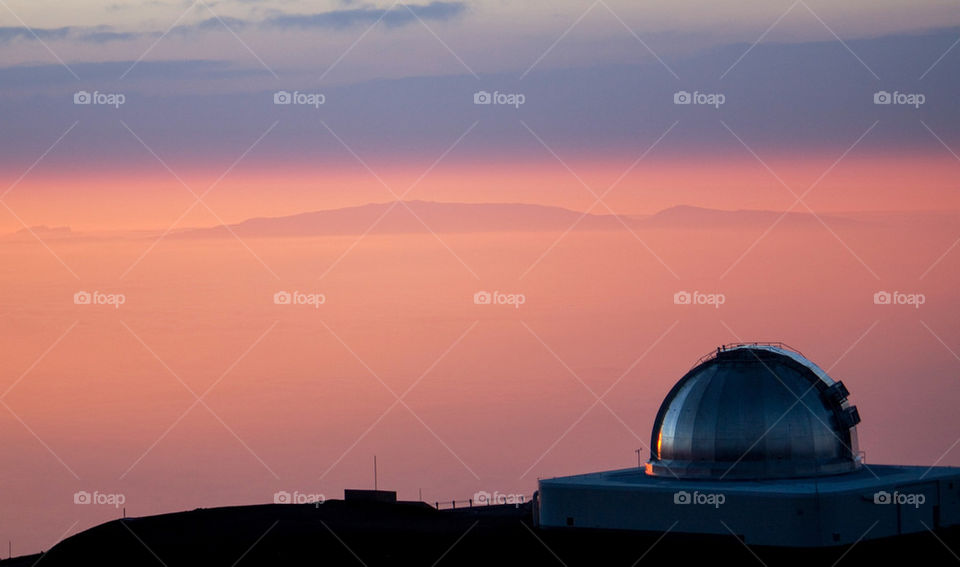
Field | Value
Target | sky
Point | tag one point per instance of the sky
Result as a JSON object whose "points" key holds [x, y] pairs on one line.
{"points": [[197, 81], [699, 125]]}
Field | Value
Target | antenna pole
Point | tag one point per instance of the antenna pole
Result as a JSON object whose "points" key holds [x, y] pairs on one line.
{"points": [[375, 472]]}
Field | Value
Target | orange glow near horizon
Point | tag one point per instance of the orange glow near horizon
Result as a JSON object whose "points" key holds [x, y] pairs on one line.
{"points": [[153, 199]]}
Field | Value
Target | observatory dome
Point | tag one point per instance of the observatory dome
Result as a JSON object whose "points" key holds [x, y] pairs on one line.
{"points": [[755, 411]]}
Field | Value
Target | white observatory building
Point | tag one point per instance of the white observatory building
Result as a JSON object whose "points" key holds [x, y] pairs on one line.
{"points": [[757, 441]]}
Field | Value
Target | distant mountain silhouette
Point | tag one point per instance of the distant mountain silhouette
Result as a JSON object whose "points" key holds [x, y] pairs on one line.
{"points": [[411, 216], [42, 231], [424, 216], [699, 217]]}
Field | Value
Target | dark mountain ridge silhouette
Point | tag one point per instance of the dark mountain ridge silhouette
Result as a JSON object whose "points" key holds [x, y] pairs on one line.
{"points": [[343, 532]]}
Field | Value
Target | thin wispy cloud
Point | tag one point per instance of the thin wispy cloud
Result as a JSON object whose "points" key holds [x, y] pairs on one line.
{"points": [[341, 19], [51, 74], [396, 17], [94, 34]]}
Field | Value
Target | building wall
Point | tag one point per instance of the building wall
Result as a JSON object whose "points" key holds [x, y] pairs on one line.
{"points": [[760, 519], [800, 518]]}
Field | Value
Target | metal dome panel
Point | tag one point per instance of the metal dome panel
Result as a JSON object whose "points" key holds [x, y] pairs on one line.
{"points": [[755, 411]]}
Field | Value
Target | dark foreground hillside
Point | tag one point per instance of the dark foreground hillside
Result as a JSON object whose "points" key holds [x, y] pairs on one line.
{"points": [[412, 533]]}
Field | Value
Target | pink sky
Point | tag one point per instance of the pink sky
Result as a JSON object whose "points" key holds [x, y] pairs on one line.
{"points": [[100, 398], [152, 198], [298, 387]]}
